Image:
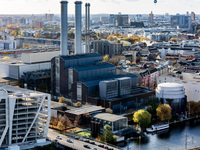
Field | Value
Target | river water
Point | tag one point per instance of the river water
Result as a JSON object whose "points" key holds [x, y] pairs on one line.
{"points": [[172, 139]]}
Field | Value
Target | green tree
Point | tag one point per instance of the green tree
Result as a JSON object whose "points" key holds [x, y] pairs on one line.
{"points": [[62, 100], [150, 109], [164, 112], [142, 117], [107, 134]]}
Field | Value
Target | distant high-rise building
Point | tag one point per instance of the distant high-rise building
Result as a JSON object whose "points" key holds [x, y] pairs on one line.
{"points": [[119, 20], [151, 16], [49, 17], [181, 21], [192, 16]]}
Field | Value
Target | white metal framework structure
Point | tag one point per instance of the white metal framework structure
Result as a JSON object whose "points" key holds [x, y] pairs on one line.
{"points": [[24, 116]]}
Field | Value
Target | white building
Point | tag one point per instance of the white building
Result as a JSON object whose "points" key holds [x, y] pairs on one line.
{"points": [[190, 82], [14, 68], [24, 118]]}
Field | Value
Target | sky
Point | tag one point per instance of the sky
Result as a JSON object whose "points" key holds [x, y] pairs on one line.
{"points": [[101, 6]]}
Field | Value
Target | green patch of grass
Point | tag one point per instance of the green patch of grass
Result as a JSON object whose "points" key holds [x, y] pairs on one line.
{"points": [[85, 133]]}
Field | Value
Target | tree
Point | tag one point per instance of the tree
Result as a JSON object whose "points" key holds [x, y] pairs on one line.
{"points": [[37, 35], [87, 104], [78, 104], [150, 109], [107, 134], [62, 100], [193, 107], [61, 124], [143, 38], [142, 117], [54, 121], [164, 112], [77, 120], [106, 58], [111, 38], [67, 121]]}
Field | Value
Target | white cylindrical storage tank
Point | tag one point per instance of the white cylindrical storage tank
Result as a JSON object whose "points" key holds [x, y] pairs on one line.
{"points": [[78, 27], [64, 25], [170, 91], [172, 94]]}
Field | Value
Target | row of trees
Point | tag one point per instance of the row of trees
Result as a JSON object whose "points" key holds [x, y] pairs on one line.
{"points": [[143, 117], [62, 123]]}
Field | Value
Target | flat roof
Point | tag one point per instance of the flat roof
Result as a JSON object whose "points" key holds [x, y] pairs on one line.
{"points": [[16, 90], [54, 104], [85, 109], [109, 117]]}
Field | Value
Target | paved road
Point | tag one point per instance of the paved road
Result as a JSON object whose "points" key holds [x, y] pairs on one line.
{"points": [[77, 144]]}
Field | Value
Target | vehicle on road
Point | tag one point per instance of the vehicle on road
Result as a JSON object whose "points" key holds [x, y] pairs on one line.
{"points": [[87, 146], [94, 149], [59, 138], [92, 143], [77, 137], [69, 140], [101, 145], [87, 141]]}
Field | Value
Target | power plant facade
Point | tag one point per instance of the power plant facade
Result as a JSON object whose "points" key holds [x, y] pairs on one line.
{"points": [[84, 76]]}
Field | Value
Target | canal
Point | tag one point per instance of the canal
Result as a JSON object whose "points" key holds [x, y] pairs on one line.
{"points": [[171, 139]]}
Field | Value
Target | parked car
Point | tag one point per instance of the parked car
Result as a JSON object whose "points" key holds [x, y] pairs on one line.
{"points": [[81, 139], [110, 149], [87, 146], [69, 140], [106, 147], [94, 149], [58, 137]]}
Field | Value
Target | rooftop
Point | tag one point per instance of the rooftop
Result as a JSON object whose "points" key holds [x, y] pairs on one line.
{"points": [[108, 117], [85, 109]]}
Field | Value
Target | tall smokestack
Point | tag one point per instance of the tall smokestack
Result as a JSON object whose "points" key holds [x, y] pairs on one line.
{"points": [[64, 25], [86, 27], [78, 27]]}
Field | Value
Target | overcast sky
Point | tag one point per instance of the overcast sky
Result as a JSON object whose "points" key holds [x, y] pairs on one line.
{"points": [[101, 6]]}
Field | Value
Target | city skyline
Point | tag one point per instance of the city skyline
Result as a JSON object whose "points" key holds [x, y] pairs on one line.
{"points": [[100, 6]]}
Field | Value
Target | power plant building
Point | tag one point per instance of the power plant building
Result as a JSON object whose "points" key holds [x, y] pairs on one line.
{"points": [[108, 89]]}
